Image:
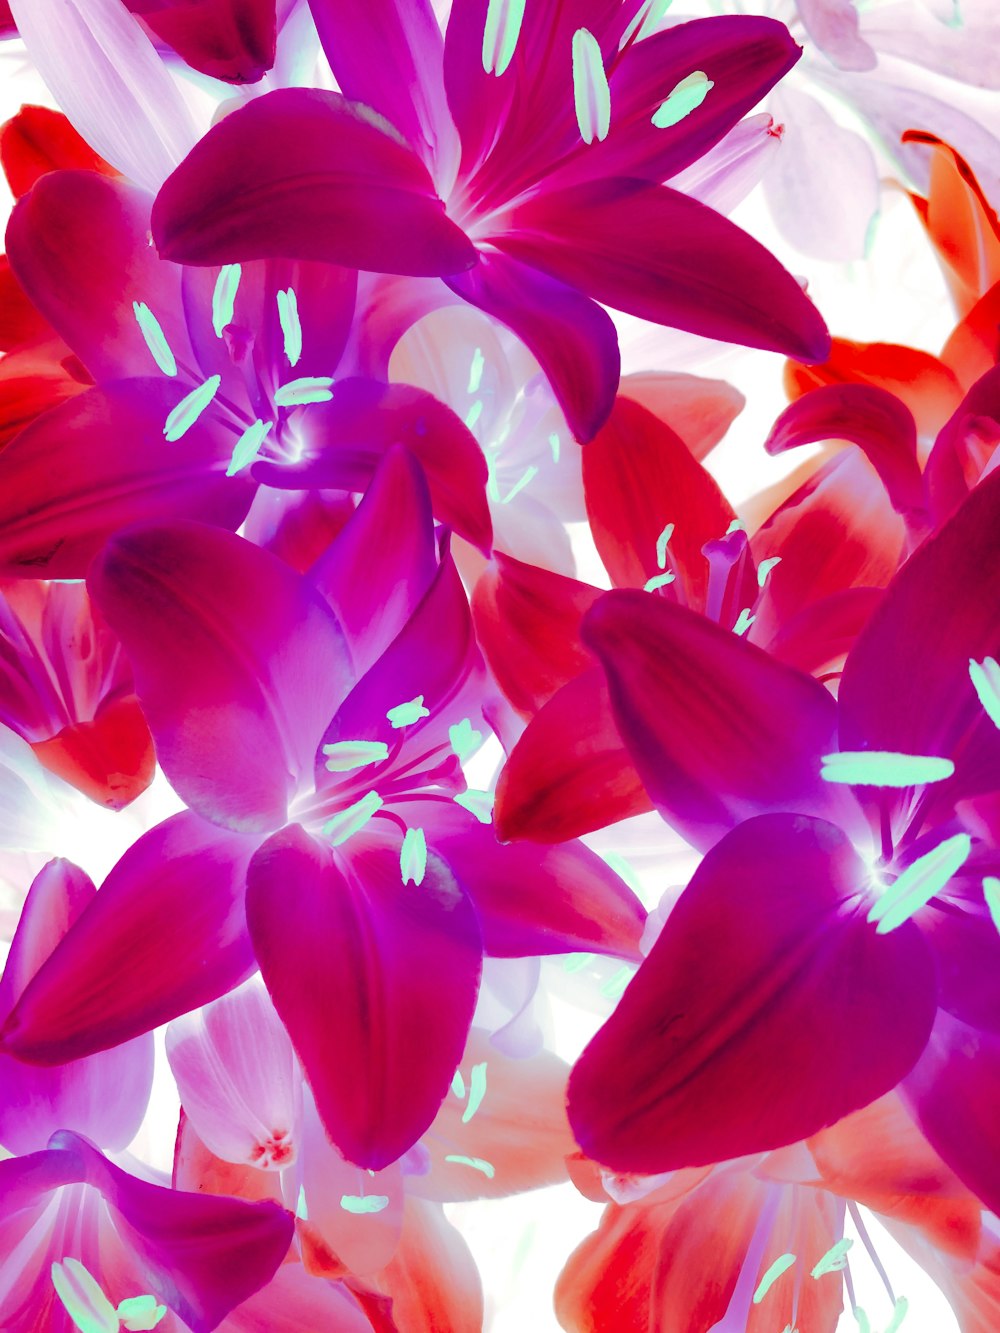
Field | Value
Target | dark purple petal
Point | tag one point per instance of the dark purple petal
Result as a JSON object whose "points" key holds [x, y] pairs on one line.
{"points": [[238, 662], [659, 255], [767, 965], [397, 967], [574, 341], [70, 481], [718, 730], [305, 174], [166, 933]]}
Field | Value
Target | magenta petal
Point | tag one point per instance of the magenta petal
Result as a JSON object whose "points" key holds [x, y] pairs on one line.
{"points": [[397, 573], [718, 730], [875, 420], [656, 254], [348, 437], [79, 246], [574, 341], [239, 665], [35, 1102], [397, 965], [68, 482], [305, 174], [694, 1065], [166, 933]]}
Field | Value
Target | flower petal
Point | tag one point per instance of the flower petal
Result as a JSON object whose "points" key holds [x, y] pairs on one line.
{"points": [[433, 1280], [38, 140], [399, 964], [799, 980], [305, 174], [232, 40], [833, 26], [699, 410]]}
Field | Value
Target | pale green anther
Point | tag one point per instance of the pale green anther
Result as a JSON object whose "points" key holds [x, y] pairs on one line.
{"points": [[476, 370], [503, 27], [364, 1203], [478, 803], [985, 676], [884, 768], [614, 987], [154, 337], [576, 962], [301, 1207], [991, 892], [658, 581], [474, 413], [291, 328], [622, 868], [82, 1298], [519, 485], [744, 621], [308, 389], [413, 857], [345, 823], [649, 15], [477, 1091], [898, 1315], [919, 883], [661, 545], [492, 489], [591, 94], [404, 715], [464, 739], [458, 1084], [864, 1325], [835, 1259], [248, 446], [781, 1265], [477, 1164], [554, 446], [140, 1313], [765, 567], [224, 297], [190, 408], [346, 756], [737, 525], [686, 97]]}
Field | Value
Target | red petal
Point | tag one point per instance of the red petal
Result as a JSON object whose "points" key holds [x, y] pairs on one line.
{"points": [[110, 759], [699, 410], [38, 140], [225, 39]]}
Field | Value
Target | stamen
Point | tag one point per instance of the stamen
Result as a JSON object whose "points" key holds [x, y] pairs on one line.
{"points": [[686, 97], [477, 1164], [464, 739], [648, 16], [248, 446], [301, 1207], [458, 1084], [154, 337], [591, 94], [413, 857], [781, 1265], [140, 1313], [765, 567], [309, 389], [224, 297], [835, 1259], [476, 370], [576, 962], [477, 1091], [82, 1298], [737, 525], [345, 823], [898, 1315], [404, 715], [919, 883], [519, 485], [503, 27], [658, 581], [474, 413], [661, 545], [991, 892], [364, 1203], [884, 768], [346, 756], [291, 329], [190, 408], [985, 677], [478, 803], [554, 446], [744, 621], [614, 988]]}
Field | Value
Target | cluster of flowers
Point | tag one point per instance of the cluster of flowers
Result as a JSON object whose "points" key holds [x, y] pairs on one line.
{"points": [[298, 409]]}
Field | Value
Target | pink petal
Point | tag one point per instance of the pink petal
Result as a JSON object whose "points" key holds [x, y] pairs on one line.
{"points": [[238, 663], [699, 410], [305, 174], [433, 1280], [833, 26], [399, 965], [799, 980]]}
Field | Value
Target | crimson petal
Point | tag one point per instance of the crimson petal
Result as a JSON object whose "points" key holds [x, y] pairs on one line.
{"points": [[394, 966], [305, 174], [39, 140], [232, 40], [692, 1067]]}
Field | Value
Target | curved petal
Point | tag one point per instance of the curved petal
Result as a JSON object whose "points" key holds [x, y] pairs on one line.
{"points": [[800, 984], [38, 140], [305, 174], [570, 772], [166, 933], [718, 730], [699, 410], [232, 40], [661, 256], [433, 1280], [238, 663], [964, 447], [833, 26], [67, 484], [973, 346], [398, 964], [20, 322], [110, 758], [573, 339]]}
